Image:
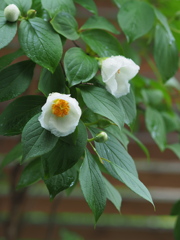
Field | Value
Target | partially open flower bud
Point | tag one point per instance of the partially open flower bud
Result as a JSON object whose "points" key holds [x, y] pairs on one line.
{"points": [[101, 137], [116, 72], [11, 13]]}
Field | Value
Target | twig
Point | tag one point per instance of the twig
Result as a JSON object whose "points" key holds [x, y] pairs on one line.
{"points": [[52, 214], [12, 227]]}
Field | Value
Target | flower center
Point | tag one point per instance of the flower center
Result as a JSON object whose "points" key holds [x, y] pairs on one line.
{"points": [[60, 108], [118, 71]]}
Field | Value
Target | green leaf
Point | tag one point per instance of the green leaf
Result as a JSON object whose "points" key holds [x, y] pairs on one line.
{"points": [[102, 42], [38, 7], [79, 67], [128, 104], [55, 6], [103, 103], [7, 30], [15, 79], [176, 229], [156, 127], [163, 20], [89, 5], [141, 145], [153, 97], [36, 141], [60, 182], [89, 117], [113, 151], [7, 59], [131, 52], [30, 174], [71, 138], [40, 43], [52, 82], [92, 185], [119, 134], [136, 18], [66, 25], [172, 121], [14, 154], [165, 93], [23, 5], [18, 113], [75, 169], [176, 209], [165, 53], [132, 182], [65, 154], [2, 5], [175, 148], [112, 194], [98, 22]]}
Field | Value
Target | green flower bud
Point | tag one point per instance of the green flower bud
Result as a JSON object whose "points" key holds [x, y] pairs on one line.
{"points": [[31, 13], [101, 137], [11, 13]]}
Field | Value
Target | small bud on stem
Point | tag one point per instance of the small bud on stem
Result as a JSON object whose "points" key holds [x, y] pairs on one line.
{"points": [[100, 137], [31, 13]]}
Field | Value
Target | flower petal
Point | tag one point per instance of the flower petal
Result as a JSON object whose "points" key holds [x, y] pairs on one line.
{"points": [[109, 68], [122, 89], [111, 85]]}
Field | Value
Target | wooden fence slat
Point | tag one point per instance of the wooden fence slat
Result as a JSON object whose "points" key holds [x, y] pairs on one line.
{"points": [[100, 233], [152, 174], [130, 206]]}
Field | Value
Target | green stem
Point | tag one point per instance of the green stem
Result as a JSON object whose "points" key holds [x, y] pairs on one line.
{"points": [[100, 159], [90, 140], [106, 160]]}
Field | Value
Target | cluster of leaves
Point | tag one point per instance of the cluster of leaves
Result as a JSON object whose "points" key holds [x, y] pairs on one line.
{"points": [[61, 162]]}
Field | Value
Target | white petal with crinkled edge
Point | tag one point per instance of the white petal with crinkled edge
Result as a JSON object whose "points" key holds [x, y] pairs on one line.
{"points": [[116, 72], [60, 126]]}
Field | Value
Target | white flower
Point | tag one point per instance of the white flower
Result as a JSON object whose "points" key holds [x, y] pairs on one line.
{"points": [[60, 114], [116, 72], [11, 13]]}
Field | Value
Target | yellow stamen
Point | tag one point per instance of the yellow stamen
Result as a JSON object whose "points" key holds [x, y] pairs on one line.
{"points": [[60, 108], [118, 71]]}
